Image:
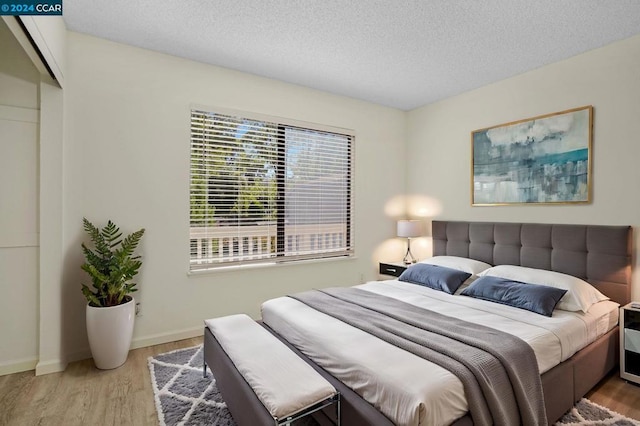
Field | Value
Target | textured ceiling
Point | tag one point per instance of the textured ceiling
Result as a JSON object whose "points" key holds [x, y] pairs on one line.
{"points": [[399, 53]]}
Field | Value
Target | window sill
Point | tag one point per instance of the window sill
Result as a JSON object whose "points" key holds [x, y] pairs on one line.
{"points": [[252, 266]]}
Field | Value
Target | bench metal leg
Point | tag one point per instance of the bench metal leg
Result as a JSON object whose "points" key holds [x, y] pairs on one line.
{"points": [[319, 406]]}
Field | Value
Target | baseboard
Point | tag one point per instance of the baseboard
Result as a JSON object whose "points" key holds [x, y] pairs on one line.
{"points": [[57, 365], [79, 355], [158, 339], [143, 342], [47, 367], [18, 366]]}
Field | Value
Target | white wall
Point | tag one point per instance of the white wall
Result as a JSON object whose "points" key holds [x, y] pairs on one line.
{"points": [[439, 139], [18, 206], [127, 142]]}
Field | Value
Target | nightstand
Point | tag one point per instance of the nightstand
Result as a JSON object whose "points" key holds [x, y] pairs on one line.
{"points": [[394, 269], [630, 343]]}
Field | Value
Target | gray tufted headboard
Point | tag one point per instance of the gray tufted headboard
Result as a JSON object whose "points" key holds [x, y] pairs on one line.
{"points": [[600, 255]]}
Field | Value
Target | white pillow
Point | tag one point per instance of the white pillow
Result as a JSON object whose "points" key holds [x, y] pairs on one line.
{"points": [[471, 266], [580, 294]]}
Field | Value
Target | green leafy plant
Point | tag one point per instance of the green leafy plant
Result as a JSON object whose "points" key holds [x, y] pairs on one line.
{"points": [[111, 264]]}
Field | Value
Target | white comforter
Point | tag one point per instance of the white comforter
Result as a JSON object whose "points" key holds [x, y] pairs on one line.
{"points": [[406, 388]]}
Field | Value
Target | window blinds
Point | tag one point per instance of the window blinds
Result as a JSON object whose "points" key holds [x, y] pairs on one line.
{"points": [[265, 191]]}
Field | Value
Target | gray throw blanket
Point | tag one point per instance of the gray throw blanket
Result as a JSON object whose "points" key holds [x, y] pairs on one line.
{"points": [[499, 371]]}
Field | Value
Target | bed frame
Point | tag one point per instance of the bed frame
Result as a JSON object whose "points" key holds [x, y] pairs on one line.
{"points": [[601, 255]]}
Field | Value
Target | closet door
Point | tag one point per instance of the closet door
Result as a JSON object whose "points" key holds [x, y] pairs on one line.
{"points": [[18, 237]]}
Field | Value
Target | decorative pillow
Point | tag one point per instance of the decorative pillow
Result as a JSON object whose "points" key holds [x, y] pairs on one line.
{"points": [[540, 299], [472, 266], [580, 294], [435, 277]]}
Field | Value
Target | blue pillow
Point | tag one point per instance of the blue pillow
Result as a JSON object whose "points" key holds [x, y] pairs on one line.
{"points": [[435, 277], [540, 299]]}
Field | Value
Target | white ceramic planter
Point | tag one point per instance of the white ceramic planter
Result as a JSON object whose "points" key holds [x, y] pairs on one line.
{"points": [[110, 331]]}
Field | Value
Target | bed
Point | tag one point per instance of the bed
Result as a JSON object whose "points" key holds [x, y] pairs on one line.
{"points": [[600, 255]]}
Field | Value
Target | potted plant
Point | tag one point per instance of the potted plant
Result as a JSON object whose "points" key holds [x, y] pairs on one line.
{"points": [[111, 265]]}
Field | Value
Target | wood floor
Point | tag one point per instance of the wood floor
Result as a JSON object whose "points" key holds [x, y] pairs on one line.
{"points": [[618, 395], [84, 395]]}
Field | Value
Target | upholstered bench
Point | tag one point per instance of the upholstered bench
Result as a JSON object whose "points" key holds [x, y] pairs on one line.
{"points": [[285, 385]]}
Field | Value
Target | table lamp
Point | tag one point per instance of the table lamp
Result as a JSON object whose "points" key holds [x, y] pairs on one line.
{"points": [[409, 229]]}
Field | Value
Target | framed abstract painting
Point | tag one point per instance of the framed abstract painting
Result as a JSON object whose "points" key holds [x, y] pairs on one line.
{"points": [[541, 160]]}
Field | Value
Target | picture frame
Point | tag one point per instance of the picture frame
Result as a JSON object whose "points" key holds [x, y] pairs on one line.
{"points": [[540, 160]]}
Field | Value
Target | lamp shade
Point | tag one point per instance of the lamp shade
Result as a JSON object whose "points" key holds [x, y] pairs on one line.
{"points": [[409, 228]]}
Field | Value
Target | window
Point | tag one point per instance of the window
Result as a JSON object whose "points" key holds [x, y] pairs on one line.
{"points": [[267, 191]]}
